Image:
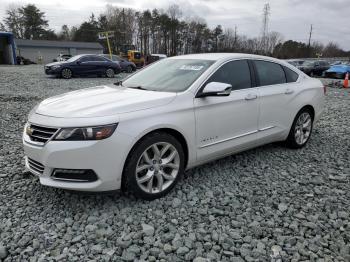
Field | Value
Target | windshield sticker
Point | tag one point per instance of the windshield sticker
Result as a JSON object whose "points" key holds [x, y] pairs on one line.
{"points": [[191, 67]]}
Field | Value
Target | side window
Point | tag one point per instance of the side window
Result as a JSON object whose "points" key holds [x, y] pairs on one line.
{"points": [[97, 59], [236, 73], [85, 59], [269, 73], [290, 75], [101, 59]]}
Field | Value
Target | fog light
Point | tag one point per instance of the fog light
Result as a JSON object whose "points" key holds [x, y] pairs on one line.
{"points": [[74, 175]]}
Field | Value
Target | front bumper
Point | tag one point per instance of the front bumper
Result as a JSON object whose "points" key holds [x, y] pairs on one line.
{"points": [[50, 71], [105, 157]]}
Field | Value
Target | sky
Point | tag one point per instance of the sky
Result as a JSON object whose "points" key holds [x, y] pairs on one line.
{"points": [[292, 18]]}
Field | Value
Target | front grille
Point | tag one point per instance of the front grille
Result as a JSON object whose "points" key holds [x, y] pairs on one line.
{"points": [[35, 166], [40, 133]]}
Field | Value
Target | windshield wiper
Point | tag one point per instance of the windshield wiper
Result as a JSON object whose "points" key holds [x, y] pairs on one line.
{"points": [[119, 83], [137, 87]]}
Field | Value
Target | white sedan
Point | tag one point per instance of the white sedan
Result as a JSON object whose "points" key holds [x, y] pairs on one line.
{"points": [[141, 134]]}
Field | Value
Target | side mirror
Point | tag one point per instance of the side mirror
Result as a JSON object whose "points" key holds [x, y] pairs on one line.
{"points": [[216, 89], [78, 62]]}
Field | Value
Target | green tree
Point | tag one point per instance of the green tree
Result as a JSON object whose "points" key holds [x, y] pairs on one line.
{"points": [[33, 21], [88, 31]]}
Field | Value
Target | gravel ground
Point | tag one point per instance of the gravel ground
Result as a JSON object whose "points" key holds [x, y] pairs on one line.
{"points": [[267, 204]]}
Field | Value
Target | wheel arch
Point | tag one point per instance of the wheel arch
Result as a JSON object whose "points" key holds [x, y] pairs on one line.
{"points": [[171, 131], [309, 107], [180, 137]]}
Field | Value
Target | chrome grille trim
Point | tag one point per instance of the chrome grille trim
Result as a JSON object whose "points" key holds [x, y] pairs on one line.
{"points": [[41, 134], [35, 166]]}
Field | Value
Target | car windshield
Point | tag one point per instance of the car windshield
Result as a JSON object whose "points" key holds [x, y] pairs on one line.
{"points": [[169, 75], [74, 58]]}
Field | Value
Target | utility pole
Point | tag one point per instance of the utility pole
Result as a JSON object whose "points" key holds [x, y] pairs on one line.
{"points": [[310, 36], [235, 42], [265, 27]]}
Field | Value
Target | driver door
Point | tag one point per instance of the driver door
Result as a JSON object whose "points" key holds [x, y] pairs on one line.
{"points": [[227, 124]]}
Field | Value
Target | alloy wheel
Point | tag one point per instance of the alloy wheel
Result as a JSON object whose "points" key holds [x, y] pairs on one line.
{"points": [[302, 129], [66, 73], [157, 167], [109, 73]]}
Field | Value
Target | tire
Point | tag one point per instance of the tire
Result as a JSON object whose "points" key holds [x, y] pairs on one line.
{"points": [[157, 175], [301, 129], [66, 73], [129, 69], [109, 73]]}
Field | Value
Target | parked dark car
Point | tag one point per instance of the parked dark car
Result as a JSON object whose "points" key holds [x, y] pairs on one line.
{"points": [[314, 68], [83, 65], [125, 65]]}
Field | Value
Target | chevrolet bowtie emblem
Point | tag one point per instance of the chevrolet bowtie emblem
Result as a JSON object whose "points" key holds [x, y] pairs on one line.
{"points": [[29, 130]]}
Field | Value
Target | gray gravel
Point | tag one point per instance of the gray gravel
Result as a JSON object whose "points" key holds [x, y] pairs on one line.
{"points": [[267, 204]]}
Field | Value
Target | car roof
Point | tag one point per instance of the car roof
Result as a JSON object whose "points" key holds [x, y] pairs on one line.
{"points": [[225, 56]]}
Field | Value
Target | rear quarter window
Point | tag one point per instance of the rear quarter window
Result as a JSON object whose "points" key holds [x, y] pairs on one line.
{"points": [[291, 76], [269, 73]]}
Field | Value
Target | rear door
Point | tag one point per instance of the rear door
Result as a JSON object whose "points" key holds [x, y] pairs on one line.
{"points": [[225, 124], [100, 64], [85, 66], [277, 88]]}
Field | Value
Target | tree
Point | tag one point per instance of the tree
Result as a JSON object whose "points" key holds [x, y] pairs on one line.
{"points": [[65, 33], [15, 22], [332, 49], [33, 21], [88, 31], [28, 22], [217, 33], [2, 27]]}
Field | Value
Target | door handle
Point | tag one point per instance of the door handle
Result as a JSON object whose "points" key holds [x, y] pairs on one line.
{"points": [[289, 91], [251, 97]]}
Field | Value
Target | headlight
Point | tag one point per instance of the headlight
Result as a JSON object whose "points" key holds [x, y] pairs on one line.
{"points": [[85, 133], [55, 67]]}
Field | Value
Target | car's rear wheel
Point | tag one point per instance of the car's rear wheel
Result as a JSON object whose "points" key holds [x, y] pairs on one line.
{"points": [[66, 73], [301, 129], [110, 73], [154, 166], [129, 69]]}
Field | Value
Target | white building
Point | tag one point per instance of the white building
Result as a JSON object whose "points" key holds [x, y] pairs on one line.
{"points": [[44, 51]]}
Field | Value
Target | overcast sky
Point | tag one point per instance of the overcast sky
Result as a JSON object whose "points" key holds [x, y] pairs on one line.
{"points": [[292, 18]]}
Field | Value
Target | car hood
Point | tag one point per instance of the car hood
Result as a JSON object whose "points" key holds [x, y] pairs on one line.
{"points": [[102, 101], [56, 63]]}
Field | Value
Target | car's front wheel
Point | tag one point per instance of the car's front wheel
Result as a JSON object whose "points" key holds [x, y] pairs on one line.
{"points": [[154, 166], [301, 129], [66, 73], [110, 73]]}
